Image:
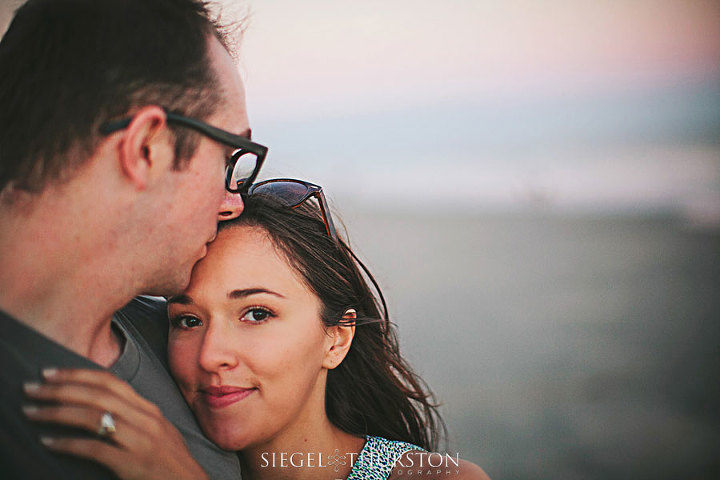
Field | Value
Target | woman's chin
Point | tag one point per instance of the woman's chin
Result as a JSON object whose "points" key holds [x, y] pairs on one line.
{"points": [[231, 439]]}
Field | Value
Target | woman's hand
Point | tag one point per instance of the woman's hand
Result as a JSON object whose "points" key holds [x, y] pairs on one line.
{"points": [[145, 445]]}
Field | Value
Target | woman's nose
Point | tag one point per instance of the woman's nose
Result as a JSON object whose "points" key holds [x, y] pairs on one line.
{"points": [[218, 350], [231, 206]]}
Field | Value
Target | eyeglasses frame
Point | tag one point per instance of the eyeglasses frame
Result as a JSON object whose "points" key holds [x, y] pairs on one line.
{"points": [[239, 142]]}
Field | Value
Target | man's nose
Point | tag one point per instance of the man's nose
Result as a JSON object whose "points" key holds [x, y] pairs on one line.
{"points": [[231, 206]]}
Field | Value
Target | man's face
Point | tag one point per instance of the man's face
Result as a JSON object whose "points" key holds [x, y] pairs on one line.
{"points": [[197, 198]]}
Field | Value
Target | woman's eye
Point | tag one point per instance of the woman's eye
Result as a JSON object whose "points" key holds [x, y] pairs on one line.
{"points": [[256, 315], [186, 322]]}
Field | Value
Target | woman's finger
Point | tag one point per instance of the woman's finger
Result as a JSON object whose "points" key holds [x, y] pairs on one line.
{"points": [[85, 418], [126, 435], [144, 445], [127, 465], [91, 396], [98, 450], [134, 427], [100, 379]]}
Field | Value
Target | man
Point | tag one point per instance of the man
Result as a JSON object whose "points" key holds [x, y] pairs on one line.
{"points": [[109, 188]]}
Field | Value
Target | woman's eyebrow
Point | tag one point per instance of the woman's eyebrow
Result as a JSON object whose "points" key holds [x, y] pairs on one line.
{"points": [[245, 292]]}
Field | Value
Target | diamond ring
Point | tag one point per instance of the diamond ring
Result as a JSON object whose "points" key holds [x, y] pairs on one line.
{"points": [[107, 425]]}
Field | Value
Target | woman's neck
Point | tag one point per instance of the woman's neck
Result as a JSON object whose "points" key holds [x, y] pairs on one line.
{"points": [[319, 452]]}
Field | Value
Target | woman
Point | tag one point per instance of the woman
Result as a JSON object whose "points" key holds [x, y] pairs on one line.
{"points": [[285, 355]]}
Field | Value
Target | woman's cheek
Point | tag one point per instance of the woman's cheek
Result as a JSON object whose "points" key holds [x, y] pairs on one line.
{"points": [[180, 357]]}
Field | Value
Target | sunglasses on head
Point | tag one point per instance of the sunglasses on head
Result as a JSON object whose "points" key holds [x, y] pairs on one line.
{"points": [[291, 192]]}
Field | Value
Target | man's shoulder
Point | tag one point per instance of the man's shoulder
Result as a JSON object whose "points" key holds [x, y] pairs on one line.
{"points": [[150, 307], [145, 318], [23, 353]]}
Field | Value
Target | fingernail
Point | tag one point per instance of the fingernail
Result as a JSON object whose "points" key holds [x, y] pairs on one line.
{"points": [[47, 441], [31, 387], [49, 372], [30, 409]]}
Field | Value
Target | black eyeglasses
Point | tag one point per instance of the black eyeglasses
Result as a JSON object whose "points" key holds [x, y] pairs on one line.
{"points": [[291, 193], [243, 165]]}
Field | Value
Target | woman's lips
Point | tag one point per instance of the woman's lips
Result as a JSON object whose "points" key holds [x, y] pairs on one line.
{"points": [[220, 397]]}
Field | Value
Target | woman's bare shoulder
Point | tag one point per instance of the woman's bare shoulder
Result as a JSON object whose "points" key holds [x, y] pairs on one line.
{"points": [[437, 466]]}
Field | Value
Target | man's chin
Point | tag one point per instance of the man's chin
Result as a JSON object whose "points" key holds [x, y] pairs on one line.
{"points": [[174, 283], [169, 289]]}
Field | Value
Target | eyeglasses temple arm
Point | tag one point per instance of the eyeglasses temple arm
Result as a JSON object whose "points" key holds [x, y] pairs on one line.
{"points": [[329, 225], [217, 134], [114, 126]]}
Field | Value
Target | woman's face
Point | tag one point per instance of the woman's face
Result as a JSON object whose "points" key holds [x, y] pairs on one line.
{"points": [[247, 345]]}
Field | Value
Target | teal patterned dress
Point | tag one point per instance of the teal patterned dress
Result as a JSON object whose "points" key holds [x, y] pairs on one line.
{"points": [[378, 457]]}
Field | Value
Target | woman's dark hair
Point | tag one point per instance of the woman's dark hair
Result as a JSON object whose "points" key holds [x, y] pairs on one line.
{"points": [[69, 66], [373, 391]]}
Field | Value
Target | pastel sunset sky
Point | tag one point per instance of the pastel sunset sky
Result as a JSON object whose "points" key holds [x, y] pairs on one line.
{"points": [[559, 104], [563, 104]]}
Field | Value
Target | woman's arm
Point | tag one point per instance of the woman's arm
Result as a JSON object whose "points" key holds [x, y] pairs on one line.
{"points": [[145, 445]]}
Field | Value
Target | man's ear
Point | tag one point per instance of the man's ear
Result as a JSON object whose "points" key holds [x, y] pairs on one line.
{"points": [[145, 145], [341, 337]]}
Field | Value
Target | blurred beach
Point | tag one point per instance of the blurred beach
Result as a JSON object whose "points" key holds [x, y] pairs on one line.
{"points": [[560, 346]]}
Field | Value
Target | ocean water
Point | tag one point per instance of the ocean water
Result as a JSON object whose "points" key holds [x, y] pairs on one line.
{"points": [[560, 346]]}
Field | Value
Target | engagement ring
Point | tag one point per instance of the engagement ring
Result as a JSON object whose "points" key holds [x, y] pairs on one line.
{"points": [[107, 425]]}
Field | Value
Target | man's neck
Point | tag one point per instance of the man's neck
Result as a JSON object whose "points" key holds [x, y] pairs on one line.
{"points": [[70, 319], [60, 283]]}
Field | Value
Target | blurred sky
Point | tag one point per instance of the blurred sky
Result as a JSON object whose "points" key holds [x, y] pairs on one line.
{"points": [[591, 106], [600, 106]]}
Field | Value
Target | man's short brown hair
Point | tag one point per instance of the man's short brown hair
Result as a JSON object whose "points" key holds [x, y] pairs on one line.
{"points": [[69, 66]]}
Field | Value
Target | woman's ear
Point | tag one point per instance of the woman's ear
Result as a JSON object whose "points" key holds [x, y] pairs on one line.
{"points": [[341, 337]]}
